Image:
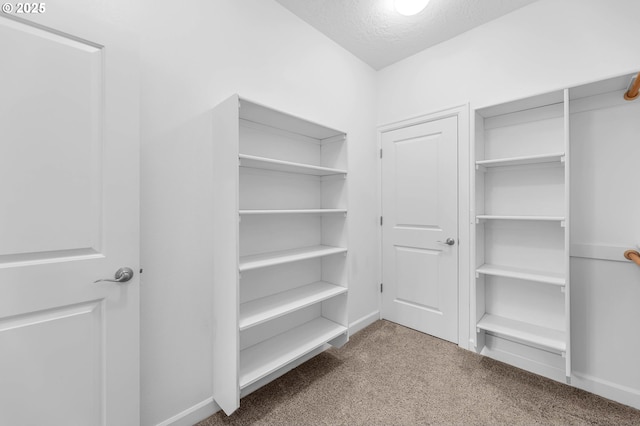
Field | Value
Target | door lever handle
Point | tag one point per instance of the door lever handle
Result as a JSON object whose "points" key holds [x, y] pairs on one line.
{"points": [[122, 275], [449, 242]]}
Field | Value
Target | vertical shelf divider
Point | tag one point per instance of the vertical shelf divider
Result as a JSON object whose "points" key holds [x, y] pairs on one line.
{"points": [[567, 232]]}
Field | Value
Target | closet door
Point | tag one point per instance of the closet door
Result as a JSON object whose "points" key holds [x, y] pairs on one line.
{"points": [[69, 179], [420, 227]]}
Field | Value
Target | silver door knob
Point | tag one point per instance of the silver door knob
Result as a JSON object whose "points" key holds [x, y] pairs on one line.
{"points": [[122, 275], [449, 241]]}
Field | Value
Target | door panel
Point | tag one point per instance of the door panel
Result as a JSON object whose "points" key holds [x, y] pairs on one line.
{"points": [[413, 209], [54, 158], [71, 338], [69, 179], [419, 203], [417, 266]]}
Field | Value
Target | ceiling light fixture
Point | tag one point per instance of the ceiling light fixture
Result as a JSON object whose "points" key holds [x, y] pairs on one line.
{"points": [[410, 7]]}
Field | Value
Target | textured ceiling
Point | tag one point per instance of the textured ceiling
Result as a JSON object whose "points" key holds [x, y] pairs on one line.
{"points": [[374, 32]]}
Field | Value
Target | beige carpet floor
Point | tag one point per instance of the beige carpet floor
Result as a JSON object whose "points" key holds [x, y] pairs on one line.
{"points": [[391, 375]]}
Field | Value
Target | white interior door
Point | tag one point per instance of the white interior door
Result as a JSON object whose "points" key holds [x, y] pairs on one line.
{"points": [[420, 227], [69, 179]]}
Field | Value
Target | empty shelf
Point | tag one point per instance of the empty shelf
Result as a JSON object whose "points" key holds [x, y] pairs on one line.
{"points": [[267, 308], [266, 357], [286, 256], [512, 217], [286, 166], [524, 332], [517, 161], [523, 274], [293, 211]]}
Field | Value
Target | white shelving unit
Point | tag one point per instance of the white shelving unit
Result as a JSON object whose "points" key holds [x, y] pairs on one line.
{"points": [[555, 278], [267, 308], [521, 239], [525, 332], [512, 217], [266, 357], [264, 260], [287, 166], [294, 211], [523, 160], [279, 245]]}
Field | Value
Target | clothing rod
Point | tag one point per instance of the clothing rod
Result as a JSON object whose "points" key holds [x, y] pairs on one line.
{"points": [[633, 256], [633, 89]]}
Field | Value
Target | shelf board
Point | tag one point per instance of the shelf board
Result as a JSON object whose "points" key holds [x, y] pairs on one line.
{"points": [[517, 161], [523, 274], [524, 332], [257, 113], [513, 217], [271, 307], [264, 358], [286, 256], [286, 166], [293, 211]]}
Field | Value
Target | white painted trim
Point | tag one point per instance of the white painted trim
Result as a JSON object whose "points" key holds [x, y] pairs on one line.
{"points": [[622, 394], [423, 118], [379, 215], [363, 322], [462, 113], [193, 415], [600, 251]]}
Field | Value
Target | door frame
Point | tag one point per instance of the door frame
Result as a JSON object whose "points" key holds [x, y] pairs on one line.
{"points": [[461, 112]]}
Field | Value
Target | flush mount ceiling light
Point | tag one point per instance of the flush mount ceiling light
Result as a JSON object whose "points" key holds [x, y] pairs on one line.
{"points": [[410, 7]]}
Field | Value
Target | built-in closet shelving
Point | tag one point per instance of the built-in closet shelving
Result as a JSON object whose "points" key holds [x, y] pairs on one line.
{"points": [[521, 271], [280, 244], [521, 217]]}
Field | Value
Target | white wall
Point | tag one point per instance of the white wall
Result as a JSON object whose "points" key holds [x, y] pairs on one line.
{"points": [[548, 45], [195, 54]]}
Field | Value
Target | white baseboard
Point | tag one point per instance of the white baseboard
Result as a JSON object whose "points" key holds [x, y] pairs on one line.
{"points": [[193, 415], [613, 391], [363, 322]]}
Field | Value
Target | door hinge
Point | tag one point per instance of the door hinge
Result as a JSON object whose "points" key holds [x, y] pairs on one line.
{"points": [[380, 287], [380, 152], [380, 220]]}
